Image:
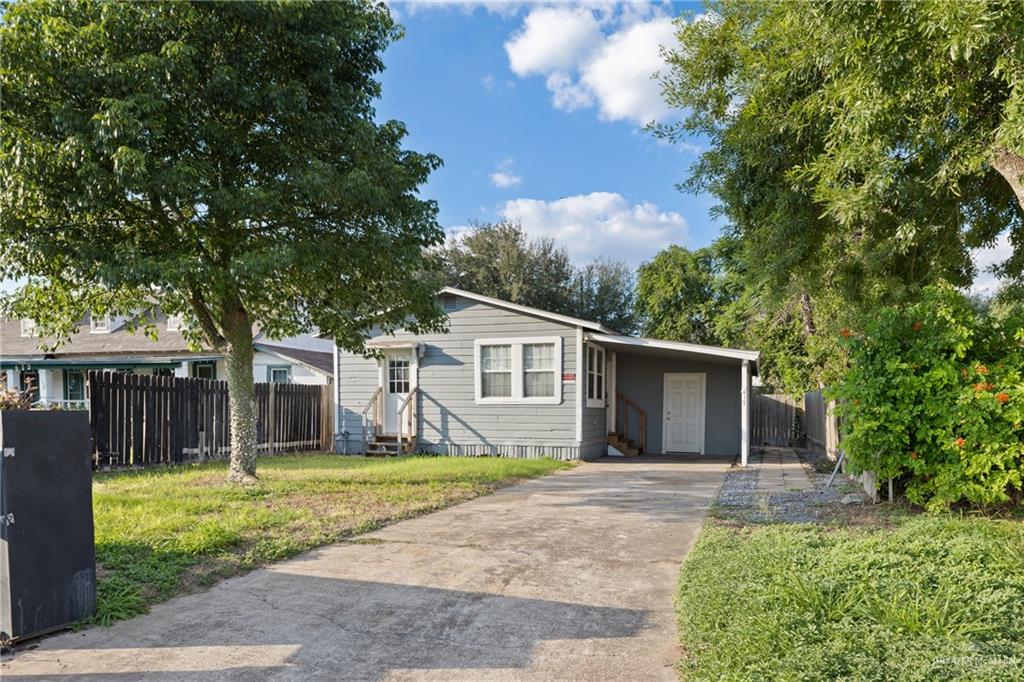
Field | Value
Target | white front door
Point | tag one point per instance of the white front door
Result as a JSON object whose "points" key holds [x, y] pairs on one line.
{"points": [[683, 425], [397, 369]]}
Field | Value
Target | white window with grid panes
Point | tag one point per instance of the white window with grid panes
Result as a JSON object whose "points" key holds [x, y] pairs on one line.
{"points": [[595, 376], [521, 370], [398, 376]]}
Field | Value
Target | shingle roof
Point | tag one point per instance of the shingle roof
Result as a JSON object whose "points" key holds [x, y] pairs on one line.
{"points": [[320, 360], [119, 341]]}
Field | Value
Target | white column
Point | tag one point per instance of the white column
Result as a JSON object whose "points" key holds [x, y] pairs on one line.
{"points": [[181, 370], [12, 379], [44, 386], [611, 385], [745, 413]]}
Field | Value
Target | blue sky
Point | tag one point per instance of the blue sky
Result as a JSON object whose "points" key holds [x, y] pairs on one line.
{"points": [[538, 112]]}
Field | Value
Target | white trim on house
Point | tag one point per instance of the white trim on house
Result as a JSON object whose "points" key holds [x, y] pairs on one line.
{"points": [[516, 363], [527, 310], [28, 326], [612, 389], [601, 370], [580, 378], [176, 322], [641, 342], [702, 421], [105, 328]]}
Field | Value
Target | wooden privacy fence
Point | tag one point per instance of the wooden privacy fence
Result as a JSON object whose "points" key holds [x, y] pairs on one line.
{"points": [[772, 418], [139, 420]]}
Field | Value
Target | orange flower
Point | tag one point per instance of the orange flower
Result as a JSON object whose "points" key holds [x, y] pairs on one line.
{"points": [[960, 442], [983, 386], [963, 373], [913, 455], [981, 369], [916, 326], [1003, 397], [846, 333]]}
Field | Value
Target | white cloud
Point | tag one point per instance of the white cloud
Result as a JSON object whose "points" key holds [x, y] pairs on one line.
{"points": [[505, 176], [986, 283], [491, 83], [621, 74], [605, 56], [504, 9], [552, 39], [599, 224], [502, 179]]}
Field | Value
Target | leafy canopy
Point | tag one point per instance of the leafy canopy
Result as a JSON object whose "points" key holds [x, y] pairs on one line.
{"points": [[680, 295], [221, 160], [858, 152], [500, 260]]}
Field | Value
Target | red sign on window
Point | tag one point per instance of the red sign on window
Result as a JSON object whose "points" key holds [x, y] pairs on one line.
{"points": [[569, 377]]}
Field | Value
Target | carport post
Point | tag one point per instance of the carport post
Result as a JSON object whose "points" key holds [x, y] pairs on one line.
{"points": [[745, 412]]}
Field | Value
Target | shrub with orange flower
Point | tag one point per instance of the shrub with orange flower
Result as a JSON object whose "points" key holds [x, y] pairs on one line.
{"points": [[981, 369], [983, 386], [846, 333], [913, 454], [1002, 398], [960, 442], [916, 326]]}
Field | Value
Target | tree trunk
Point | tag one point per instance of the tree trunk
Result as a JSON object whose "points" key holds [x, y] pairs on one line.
{"points": [[807, 315], [241, 397], [1011, 167]]}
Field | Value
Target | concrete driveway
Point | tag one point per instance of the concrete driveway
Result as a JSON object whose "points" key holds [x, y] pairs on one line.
{"points": [[566, 577]]}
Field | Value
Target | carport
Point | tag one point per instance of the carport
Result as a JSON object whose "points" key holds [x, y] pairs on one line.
{"points": [[669, 397]]}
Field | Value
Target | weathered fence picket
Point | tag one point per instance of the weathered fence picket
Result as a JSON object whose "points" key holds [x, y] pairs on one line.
{"points": [[139, 420]]}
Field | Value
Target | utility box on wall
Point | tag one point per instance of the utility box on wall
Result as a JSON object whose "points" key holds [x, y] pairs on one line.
{"points": [[47, 555]]}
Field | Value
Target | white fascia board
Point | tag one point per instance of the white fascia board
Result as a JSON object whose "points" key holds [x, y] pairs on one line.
{"points": [[697, 349], [527, 310]]}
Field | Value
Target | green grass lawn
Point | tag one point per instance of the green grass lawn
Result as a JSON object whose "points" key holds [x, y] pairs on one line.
{"points": [[161, 532], [908, 598]]}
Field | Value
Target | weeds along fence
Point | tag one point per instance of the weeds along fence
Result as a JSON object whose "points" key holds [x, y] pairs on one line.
{"points": [[139, 420]]}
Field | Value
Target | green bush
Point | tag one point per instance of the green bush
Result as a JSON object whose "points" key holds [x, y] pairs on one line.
{"points": [[934, 398]]}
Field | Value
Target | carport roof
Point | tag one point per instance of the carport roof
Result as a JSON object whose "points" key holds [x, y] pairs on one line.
{"points": [[639, 344]]}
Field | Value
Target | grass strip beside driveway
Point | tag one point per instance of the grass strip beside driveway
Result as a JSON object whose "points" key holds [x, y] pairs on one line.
{"points": [[908, 598], [162, 532]]}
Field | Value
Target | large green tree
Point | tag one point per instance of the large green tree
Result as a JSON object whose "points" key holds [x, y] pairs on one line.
{"points": [[219, 160], [858, 150], [680, 295], [500, 260]]}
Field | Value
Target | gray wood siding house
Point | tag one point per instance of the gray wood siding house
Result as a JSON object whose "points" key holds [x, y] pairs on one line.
{"points": [[508, 380]]}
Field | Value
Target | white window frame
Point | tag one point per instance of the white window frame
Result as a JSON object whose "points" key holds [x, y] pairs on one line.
{"points": [[94, 329], [517, 344], [175, 323], [598, 401], [28, 326]]}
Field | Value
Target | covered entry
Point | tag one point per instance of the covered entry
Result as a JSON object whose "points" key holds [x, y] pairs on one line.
{"points": [[667, 397]]}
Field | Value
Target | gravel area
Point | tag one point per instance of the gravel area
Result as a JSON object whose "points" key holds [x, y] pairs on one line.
{"points": [[739, 498]]}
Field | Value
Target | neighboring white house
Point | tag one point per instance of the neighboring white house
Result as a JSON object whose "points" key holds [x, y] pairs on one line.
{"points": [[514, 381], [107, 343]]}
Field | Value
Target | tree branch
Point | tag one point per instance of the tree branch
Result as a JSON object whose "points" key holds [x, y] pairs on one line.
{"points": [[1011, 167], [205, 318]]}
